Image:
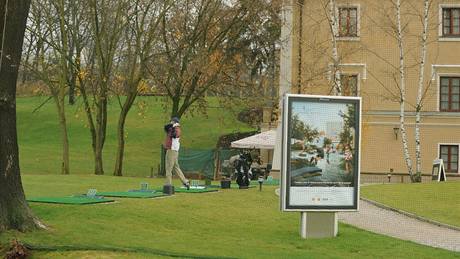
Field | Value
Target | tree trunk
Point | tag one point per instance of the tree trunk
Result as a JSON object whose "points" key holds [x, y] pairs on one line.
{"points": [[60, 92], [98, 148], [402, 101], [335, 73], [98, 165], [175, 107], [121, 140], [72, 86], [99, 145], [71, 72], [65, 167], [121, 143], [89, 116], [14, 211], [418, 105], [101, 122]]}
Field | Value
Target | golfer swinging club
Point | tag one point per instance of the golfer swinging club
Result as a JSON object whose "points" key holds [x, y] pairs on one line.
{"points": [[172, 146]]}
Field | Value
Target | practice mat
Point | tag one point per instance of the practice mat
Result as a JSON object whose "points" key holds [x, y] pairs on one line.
{"points": [[131, 194], [77, 200], [184, 190], [272, 182]]}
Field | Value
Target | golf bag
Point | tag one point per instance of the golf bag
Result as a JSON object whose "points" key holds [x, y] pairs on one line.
{"points": [[243, 169]]}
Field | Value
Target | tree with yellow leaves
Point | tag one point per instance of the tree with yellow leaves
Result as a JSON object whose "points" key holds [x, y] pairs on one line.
{"points": [[205, 47]]}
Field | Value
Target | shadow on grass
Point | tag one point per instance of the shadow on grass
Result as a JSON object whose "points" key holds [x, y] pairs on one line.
{"points": [[143, 250]]}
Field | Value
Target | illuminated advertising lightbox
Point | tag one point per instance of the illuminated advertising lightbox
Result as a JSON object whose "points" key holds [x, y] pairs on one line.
{"points": [[321, 153]]}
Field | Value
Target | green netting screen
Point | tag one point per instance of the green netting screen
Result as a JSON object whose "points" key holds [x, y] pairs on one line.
{"points": [[197, 160], [203, 161]]}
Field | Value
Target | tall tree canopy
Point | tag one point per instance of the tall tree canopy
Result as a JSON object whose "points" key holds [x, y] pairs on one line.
{"points": [[202, 49]]}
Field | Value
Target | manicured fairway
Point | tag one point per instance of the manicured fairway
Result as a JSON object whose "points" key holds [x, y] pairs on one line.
{"points": [[69, 200], [229, 223], [40, 139], [435, 200]]}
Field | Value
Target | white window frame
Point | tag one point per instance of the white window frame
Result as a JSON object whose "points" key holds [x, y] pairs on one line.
{"points": [[440, 20], [363, 74], [438, 155], [358, 21], [438, 90]]}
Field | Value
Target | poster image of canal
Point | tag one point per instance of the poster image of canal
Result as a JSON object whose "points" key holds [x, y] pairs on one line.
{"points": [[322, 147]]}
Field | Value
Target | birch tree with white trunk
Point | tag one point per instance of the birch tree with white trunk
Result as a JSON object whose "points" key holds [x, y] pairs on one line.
{"points": [[420, 90], [402, 88], [334, 27]]}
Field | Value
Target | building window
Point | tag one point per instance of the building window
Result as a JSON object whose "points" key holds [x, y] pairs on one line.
{"points": [[348, 22], [450, 94], [449, 155], [451, 22], [349, 85]]}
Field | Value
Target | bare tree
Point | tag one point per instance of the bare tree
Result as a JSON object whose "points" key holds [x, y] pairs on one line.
{"points": [[33, 42], [144, 18], [398, 24], [199, 49], [52, 66], [60, 93], [322, 56], [107, 25]]}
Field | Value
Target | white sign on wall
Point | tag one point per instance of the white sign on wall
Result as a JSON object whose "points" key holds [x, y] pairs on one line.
{"points": [[321, 153]]}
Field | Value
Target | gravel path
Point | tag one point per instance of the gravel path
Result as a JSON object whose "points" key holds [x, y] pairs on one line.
{"points": [[390, 223]]}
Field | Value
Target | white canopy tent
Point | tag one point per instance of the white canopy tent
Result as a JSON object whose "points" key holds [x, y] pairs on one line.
{"points": [[264, 140]]}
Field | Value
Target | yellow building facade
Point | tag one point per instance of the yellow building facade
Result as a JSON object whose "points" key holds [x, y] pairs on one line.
{"points": [[368, 61]]}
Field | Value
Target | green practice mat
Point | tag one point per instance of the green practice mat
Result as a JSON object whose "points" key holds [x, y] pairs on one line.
{"points": [[183, 190], [77, 200], [272, 182], [142, 194]]}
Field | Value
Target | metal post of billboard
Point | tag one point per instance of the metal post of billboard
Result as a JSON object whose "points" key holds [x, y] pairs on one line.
{"points": [[303, 224], [318, 224]]}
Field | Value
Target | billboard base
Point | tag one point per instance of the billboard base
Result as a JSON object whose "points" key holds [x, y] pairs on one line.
{"points": [[318, 224]]}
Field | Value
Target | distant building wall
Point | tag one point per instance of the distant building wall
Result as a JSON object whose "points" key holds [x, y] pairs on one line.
{"points": [[373, 57]]}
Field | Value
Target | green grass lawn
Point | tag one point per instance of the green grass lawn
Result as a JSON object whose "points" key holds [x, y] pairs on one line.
{"points": [[434, 200], [230, 223], [40, 139]]}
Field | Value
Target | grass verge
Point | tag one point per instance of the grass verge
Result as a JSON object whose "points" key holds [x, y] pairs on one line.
{"points": [[230, 223], [435, 200]]}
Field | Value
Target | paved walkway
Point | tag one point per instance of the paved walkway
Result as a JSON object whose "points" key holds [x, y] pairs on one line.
{"points": [[390, 223]]}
